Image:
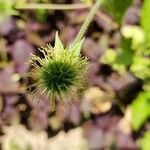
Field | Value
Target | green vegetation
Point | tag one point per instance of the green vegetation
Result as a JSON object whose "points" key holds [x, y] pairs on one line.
{"points": [[144, 143], [60, 72], [116, 8], [133, 54]]}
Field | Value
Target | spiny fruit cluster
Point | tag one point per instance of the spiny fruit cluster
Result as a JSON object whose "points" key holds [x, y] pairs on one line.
{"points": [[60, 72]]}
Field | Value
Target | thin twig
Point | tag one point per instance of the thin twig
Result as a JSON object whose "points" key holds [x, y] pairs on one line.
{"points": [[48, 6], [87, 22]]}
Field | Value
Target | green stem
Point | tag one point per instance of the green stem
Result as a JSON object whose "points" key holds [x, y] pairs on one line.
{"points": [[87, 22], [52, 103], [32, 6]]}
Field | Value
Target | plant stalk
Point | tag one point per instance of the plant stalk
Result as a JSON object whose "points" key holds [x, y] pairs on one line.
{"points": [[87, 22], [32, 6], [52, 103]]}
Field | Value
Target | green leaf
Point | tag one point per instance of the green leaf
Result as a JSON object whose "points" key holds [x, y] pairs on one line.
{"points": [[109, 57], [116, 8], [122, 57], [135, 33], [76, 49], [58, 44], [145, 141], [41, 15], [125, 55], [145, 19], [141, 67], [140, 110], [6, 8]]}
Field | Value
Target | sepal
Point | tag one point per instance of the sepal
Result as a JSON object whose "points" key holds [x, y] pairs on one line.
{"points": [[58, 44], [76, 49]]}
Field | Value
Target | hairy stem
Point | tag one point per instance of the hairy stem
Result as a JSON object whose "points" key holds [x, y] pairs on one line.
{"points": [[87, 22], [52, 103], [50, 6]]}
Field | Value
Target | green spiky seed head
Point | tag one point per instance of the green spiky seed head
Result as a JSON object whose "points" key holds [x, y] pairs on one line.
{"points": [[60, 72]]}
